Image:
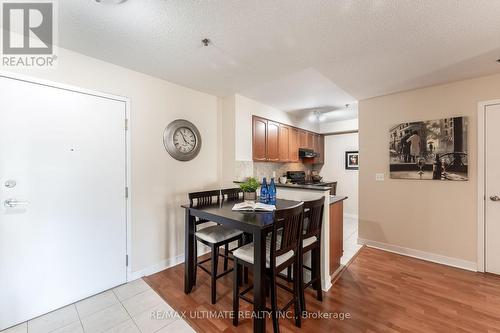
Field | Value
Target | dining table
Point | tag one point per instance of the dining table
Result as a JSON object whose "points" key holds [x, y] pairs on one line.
{"points": [[256, 223]]}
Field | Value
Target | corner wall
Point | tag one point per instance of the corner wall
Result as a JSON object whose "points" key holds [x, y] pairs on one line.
{"points": [[436, 217]]}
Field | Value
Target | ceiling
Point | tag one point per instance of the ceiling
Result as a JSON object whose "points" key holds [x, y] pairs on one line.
{"points": [[291, 54]]}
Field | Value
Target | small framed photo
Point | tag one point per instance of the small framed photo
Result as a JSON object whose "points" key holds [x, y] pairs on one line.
{"points": [[352, 160]]}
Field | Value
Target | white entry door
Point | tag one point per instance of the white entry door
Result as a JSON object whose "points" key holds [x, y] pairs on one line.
{"points": [[492, 189], [62, 197]]}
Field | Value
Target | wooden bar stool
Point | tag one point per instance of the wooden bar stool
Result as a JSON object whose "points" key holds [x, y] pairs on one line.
{"points": [[311, 241], [214, 237], [282, 251]]}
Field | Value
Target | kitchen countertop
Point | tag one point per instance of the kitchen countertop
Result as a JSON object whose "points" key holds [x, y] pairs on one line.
{"points": [[336, 198], [298, 186]]}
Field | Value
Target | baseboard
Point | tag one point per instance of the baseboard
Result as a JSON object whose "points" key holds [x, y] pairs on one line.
{"points": [[352, 216], [155, 268], [436, 258]]}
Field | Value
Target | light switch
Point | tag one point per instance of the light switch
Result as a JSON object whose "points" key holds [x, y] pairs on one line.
{"points": [[379, 177]]}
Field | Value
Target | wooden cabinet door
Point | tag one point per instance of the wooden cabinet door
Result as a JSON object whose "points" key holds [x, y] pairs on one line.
{"points": [[321, 150], [302, 139], [273, 132], [284, 143], [259, 139], [294, 145], [310, 140]]}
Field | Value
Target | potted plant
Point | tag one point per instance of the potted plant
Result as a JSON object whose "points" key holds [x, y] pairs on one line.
{"points": [[249, 189]]}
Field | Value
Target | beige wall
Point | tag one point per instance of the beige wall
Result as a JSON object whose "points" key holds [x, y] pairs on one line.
{"points": [[431, 216], [334, 169], [159, 183]]}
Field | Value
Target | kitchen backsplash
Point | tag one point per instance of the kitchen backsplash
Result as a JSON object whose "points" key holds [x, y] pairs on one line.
{"points": [[245, 169]]}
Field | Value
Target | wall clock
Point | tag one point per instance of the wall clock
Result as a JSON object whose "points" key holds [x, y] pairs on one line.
{"points": [[182, 140]]}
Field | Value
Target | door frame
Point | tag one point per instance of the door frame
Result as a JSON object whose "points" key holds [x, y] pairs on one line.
{"points": [[128, 182], [481, 178]]}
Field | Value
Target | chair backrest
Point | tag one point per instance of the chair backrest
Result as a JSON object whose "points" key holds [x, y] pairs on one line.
{"points": [[287, 230], [231, 194], [204, 198], [313, 212]]}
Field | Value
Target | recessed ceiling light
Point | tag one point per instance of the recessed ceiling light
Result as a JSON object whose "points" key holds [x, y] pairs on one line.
{"points": [[109, 2]]}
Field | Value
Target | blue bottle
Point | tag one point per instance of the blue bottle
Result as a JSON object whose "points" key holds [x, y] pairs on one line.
{"points": [[272, 192], [264, 192]]}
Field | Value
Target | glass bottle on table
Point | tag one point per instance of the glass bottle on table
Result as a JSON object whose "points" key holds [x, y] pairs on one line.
{"points": [[264, 191], [272, 192]]}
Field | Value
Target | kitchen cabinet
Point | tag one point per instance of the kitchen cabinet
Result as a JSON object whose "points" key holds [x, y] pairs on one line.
{"points": [[276, 142], [302, 138], [336, 235], [310, 140], [294, 144], [259, 139], [284, 143], [272, 147]]}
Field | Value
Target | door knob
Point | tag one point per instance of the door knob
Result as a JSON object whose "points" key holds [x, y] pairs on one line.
{"points": [[495, 198], [10, 203]]}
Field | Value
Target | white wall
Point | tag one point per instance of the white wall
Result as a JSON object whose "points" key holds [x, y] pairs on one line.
{"points": [[244, 109], [339, 126], [159, 183], [334, 168]]}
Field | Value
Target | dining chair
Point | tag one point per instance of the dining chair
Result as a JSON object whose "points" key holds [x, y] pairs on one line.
{"points": [[311, 242], [282, 251], [213, 236]]}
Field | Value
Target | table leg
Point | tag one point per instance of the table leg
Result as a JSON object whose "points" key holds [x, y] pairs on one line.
{"points": [[189, 248], [259, 305]]}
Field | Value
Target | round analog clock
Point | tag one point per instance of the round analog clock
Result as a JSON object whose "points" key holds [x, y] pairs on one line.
{"points": [[182, 140]]}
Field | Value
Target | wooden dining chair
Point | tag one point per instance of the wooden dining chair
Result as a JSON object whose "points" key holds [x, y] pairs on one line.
{"points": [[213, 236], [282, 251], [311, 242]]}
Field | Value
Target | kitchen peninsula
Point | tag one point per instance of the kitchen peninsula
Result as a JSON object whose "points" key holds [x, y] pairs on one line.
{"points": [[332, 232]]}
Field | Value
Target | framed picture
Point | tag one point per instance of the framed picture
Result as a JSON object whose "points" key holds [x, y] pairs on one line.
{"points": [[351, 160], [432, 149]]}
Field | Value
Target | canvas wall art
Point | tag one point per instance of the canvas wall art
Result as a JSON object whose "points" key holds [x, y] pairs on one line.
{"points": [[434, 149]]}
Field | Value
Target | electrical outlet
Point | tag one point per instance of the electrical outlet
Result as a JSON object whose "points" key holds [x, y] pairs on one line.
{"points": [[379, 177]]}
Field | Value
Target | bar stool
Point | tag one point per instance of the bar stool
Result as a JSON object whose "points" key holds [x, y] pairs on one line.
{"points": [[282, 251], [214, 237], [311, 241]]}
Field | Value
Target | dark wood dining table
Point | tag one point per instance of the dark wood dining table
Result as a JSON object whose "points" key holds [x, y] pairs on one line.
{"points": [[257, 224]]}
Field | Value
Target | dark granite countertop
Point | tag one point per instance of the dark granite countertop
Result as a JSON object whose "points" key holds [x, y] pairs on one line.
{"points": [[336, 198], [297, 186]]}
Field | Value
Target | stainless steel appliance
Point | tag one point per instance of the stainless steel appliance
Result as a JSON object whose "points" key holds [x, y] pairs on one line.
{"points": [[299, 177]]}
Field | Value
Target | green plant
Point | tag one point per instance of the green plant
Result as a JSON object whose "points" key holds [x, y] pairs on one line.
{"points": [[251, 185]]}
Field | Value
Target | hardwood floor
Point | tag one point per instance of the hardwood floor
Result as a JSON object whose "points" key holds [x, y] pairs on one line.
{"points": [[381, 291]]}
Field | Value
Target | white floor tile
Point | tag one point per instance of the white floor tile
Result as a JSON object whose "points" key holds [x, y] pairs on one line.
{"points": [[148, 324], [126, 327], [105, 319], [53, 320], [131, 289], [21, 328], [76, 327], [178, 326], [96, 303], [142, 302]]}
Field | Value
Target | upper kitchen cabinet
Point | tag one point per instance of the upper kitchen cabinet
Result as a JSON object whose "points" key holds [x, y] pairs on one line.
{"points": [[284, 143], [273, 133], [310, 140], [259, 141], [303, 138], [294, 144], [276, 142]]}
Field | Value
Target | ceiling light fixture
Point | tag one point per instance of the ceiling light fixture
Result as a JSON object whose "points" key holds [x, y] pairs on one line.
{"points": [[109, 2], [206, 41]]}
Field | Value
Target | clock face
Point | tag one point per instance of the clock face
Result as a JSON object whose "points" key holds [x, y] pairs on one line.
{"points": [[184, 140]]}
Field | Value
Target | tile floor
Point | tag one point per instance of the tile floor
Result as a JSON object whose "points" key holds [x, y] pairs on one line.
{"points": [[351, 246], [130, 308]]}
